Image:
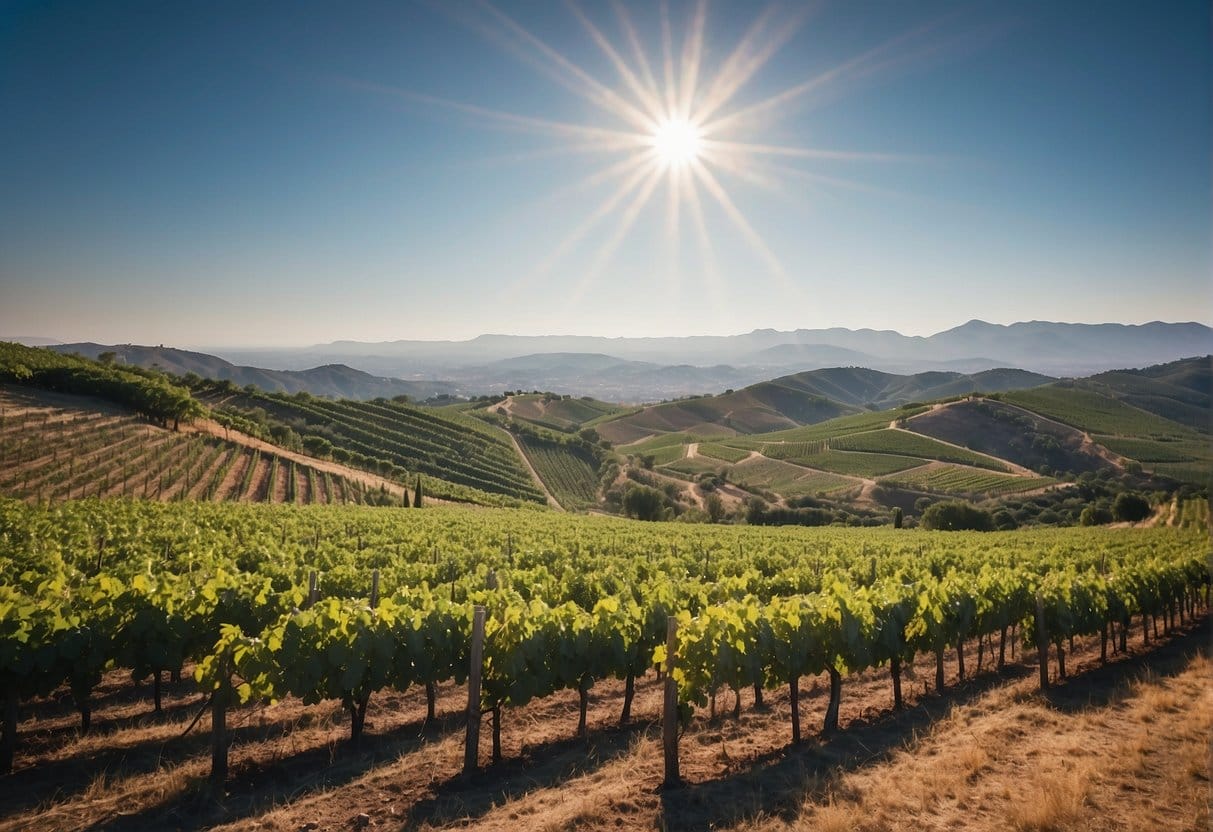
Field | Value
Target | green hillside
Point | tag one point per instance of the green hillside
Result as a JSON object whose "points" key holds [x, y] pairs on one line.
{"points": [[805, 399], [449, 446], [562, 413], [1094, 412], [1181, 391]]}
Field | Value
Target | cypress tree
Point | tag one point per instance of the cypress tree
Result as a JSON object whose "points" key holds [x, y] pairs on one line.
{"points": [[417, 493]]}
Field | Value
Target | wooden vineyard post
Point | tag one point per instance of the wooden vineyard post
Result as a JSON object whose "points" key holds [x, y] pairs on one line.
{"points": [[219, 732], [471, 749], [1042, 643], [375, 589], [313, 590], [669, 716]]}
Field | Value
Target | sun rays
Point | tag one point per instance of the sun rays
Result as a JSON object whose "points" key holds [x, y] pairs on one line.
{"points": [[671, 124]]}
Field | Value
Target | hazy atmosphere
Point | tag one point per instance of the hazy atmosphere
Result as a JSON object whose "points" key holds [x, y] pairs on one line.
{"points": [[294, 173]]}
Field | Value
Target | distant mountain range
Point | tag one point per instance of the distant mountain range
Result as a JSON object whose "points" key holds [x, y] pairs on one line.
{"points": [[652, 369], [1053, 348]]}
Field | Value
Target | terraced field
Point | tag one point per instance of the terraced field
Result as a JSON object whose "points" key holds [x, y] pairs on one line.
{"points": [[788, 479], [904, 443], [1154, 450], [842, 426], [722, 452], [851, 463], [53, 453], [560, 412], [1094, 413], [569, 472], [962, 479], [449, 446]]}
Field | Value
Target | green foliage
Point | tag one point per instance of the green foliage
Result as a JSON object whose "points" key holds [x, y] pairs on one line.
{"points": [[955, 515], [643, 503], [1130, 507], [579, 598], [148, 393], [1095, 516]]}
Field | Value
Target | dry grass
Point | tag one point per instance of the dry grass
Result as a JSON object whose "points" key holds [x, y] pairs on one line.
{"points": [[1051, 802]]}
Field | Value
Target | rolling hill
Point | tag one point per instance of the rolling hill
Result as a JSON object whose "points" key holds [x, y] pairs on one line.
{"points": [[806, 398], [334, 380], [811, 435], [1181, 391], [1002, 445]]}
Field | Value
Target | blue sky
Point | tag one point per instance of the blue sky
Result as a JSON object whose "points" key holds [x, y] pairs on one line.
{"points": [[234, 173]]}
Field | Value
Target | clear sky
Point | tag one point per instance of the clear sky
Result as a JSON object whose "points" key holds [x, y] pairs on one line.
{"points": [[259, 173]]}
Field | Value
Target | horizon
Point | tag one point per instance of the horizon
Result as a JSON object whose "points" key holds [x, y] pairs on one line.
{"points": [[203, 347], [229, 177]]}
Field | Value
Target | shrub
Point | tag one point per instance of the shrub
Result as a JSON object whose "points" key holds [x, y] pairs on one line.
{"points": [[957, 515], [643, 503], [1130, 507]]}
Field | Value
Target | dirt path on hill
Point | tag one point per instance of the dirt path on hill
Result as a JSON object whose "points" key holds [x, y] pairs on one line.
{"points": [[1088, 445], [692, 450]]}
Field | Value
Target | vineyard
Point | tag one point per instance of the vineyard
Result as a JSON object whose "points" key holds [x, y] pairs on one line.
{"points": [[789, 479], [456, 450], [1089, 411], [904, 443], [320, 604], [723, 452], [850, 463], [569, 472], [55, 454], [960, 479], [841, 426]]}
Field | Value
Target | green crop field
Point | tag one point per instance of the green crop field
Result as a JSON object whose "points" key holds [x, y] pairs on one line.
{"points": [[568, 471], [960, 479], [449, 447], [1153, 450], [695, 466], [722, 452], [850, 463], [905, 443], [1094, 413], [1197, 473], [842, 426], [788, 479], [57, 454], [664, 440]]}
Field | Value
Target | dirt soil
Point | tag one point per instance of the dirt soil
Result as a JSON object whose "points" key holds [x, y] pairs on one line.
{"points": [[1116, 747]]}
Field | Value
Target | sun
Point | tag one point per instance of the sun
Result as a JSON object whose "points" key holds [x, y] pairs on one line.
{"points": [[676, 124], [677, 142]]}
